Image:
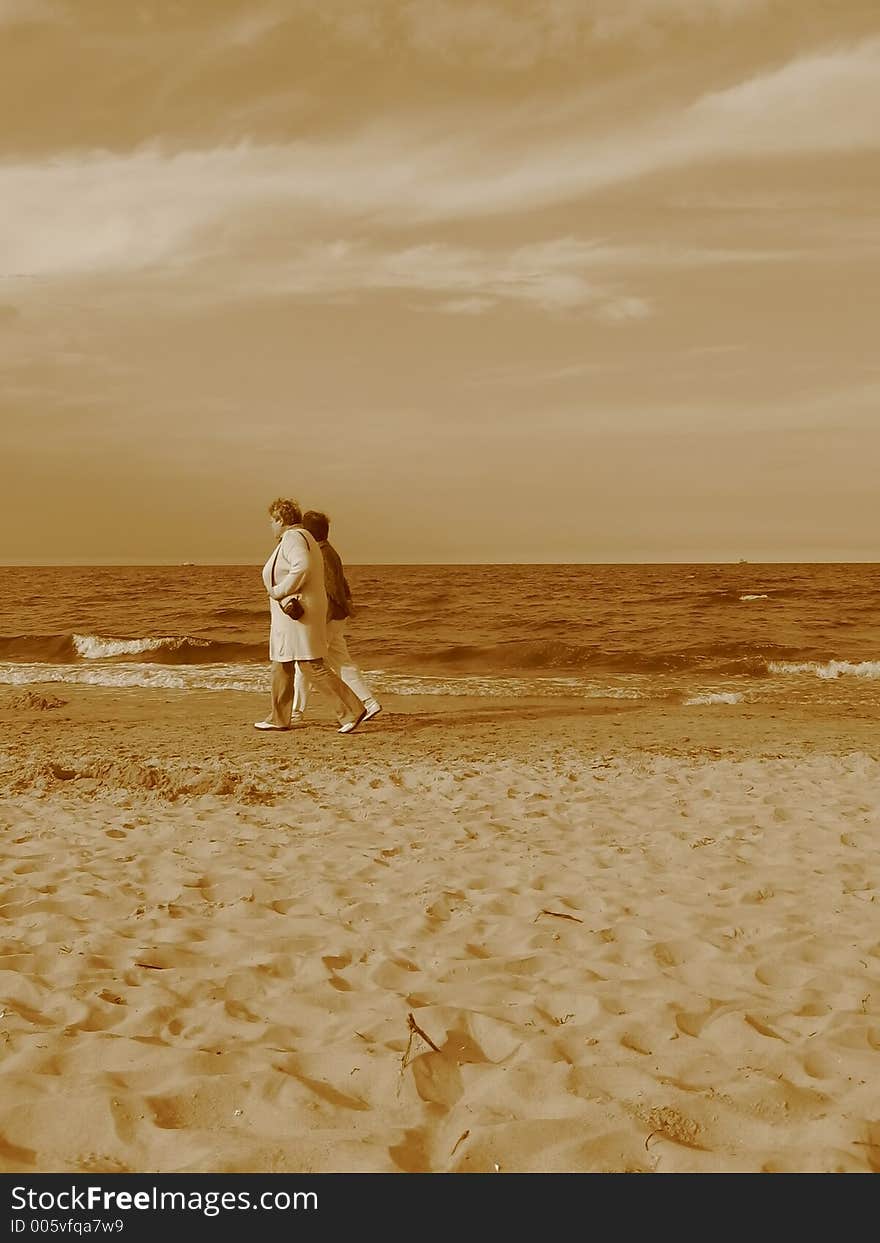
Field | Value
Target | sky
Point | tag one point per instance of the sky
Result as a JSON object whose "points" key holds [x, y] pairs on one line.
{"points": [[485, 280]]}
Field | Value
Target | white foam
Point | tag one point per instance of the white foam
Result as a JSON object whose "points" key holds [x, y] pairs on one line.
{"points": [[255, 678], [715, 697], [396, 684], [830, 669], [93, 647], [759, 596], [161, 677]]}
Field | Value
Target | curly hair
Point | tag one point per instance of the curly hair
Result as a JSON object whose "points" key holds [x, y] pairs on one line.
{"points": [[286, 511]]}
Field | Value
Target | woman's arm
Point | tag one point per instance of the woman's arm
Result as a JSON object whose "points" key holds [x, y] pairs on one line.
{"points": [[296, 554]]}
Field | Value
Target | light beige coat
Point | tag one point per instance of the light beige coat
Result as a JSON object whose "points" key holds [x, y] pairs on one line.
{"points": [[299, 571]]}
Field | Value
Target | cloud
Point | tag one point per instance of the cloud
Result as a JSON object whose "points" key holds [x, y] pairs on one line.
{"points": [[27, 12], [248, 27], [620, 310], [116, 212], [615, 19], [815, 105], [833, 94], [497, 37], [503, 36], [565, 274], [465, 306], [548, 276]]}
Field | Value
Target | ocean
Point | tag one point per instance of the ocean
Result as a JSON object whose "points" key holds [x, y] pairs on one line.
{"points": [[717, 634]]}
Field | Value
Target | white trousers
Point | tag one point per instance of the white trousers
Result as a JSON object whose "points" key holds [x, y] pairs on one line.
{"points": [[340, 661]]}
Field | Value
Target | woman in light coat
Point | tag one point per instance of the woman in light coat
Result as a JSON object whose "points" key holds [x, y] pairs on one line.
{"points": [[296, 568]]}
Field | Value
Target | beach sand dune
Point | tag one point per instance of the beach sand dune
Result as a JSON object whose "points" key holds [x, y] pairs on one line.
{"points": [[527, 938]]}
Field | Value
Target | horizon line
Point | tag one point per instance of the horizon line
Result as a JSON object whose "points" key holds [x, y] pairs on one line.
{"points": [[168, 564]]}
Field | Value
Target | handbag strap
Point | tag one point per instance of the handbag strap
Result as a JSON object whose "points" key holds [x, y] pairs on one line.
{"points": [[278, 550]]}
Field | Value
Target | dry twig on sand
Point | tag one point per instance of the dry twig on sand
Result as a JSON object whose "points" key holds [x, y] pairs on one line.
{"points": [[414, 1030], [557, 915]]}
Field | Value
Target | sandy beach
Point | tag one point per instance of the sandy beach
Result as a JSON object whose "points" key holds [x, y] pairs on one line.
{"points": [[515, 937]]}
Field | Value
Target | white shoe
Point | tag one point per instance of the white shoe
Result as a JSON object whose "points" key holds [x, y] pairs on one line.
{"points": [[373, 709], [270, 725], [350, 726]]}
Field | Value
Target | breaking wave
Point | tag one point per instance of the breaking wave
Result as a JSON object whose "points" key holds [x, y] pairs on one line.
{"points": [[829, 669]]}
